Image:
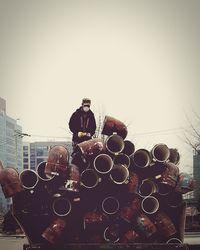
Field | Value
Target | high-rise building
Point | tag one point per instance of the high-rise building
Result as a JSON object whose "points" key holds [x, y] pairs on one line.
{"points": [[196, 175], [10, 147], [36, 152]]}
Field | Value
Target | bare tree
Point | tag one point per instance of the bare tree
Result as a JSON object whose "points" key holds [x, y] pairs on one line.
{"points": [[192, 134]]}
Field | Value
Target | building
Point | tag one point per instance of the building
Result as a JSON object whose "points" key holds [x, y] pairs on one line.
{"points": [[10, 147], [196, 175], [36, 152]]}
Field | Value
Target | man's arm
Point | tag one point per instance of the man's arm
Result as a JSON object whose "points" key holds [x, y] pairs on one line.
{"points": [[73, 123], [93, 125]]}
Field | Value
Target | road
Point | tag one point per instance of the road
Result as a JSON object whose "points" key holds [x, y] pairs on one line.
{"points": [[13, 243], [192, 238]]}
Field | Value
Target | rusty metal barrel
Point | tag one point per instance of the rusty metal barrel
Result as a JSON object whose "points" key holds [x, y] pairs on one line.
{"points": [[91, 147], [103, 163], [129, 147], [170, 174], [164, 224], [61, 206], [29, 178], [55, 230], [174, 156], [144, 225], [112, 125], [160, 152], [141, 158], [41, 172], [150, 205], [72, 182], [114, 144], [89, 178], [57, 161], [119, 174], [110, 205], [147, 187], [123, 159], [10, 182]]}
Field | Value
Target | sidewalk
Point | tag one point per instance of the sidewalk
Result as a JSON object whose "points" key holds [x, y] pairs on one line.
{"points": [[13, 235]]}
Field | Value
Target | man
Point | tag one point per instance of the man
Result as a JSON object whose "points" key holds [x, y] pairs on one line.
{"points": [[82, 123]]}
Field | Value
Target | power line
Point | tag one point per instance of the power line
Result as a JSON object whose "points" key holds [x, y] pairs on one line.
{"points": [[50, 136], [172, 130]]}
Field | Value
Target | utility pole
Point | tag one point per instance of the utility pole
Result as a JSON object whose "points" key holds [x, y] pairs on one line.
{"points": [[18, 134]]}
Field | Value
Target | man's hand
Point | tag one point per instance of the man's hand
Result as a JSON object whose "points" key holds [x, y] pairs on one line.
{"points": [[81, 134]]}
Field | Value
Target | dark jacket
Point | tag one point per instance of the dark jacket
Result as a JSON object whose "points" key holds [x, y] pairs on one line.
{"points": [[81, 121]]}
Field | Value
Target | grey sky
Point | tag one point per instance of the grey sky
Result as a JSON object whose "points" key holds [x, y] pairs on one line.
{"points": [[137, 60]]}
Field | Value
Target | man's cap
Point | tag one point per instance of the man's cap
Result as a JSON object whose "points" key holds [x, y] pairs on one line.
{"points": [[86, 100]]}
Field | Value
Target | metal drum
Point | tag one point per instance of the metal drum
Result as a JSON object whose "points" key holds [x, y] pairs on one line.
{"points": [[10, 182], [170, 174], [123, 159], [91, 147], [53, 233], [73, 180], [174, 156], [103, 163], [160, 152], [129, 148], [112, 233], [147, 187], [61, 206], [41, 171], [164, 224], [110, 205], [119, 174], [112, 125], [29, 178], [89, 178], [144, 225], [57, 161], [114, 144], [141, 158], [150, 204]]}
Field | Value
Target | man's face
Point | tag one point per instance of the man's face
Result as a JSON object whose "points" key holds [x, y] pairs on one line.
{"points": [[86, 107]]}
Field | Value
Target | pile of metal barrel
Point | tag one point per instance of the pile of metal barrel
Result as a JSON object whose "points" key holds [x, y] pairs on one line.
{"points": [[107, 191]]}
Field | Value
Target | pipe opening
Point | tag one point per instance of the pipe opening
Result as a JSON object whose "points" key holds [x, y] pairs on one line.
{"points": [[161, 152], [89, 178], [110, 205], [29, 178], [115, 144], [147, 188], [119, 174], [61, 206], [103, 163], [122, 159], [41, 171], [141, 158], [150, 205]]}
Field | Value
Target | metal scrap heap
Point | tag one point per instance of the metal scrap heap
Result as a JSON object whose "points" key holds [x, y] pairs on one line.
{"points": [[107, 191]]}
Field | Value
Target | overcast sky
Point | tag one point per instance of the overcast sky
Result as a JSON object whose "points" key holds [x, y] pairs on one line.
{"points": [[137, 60]]}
